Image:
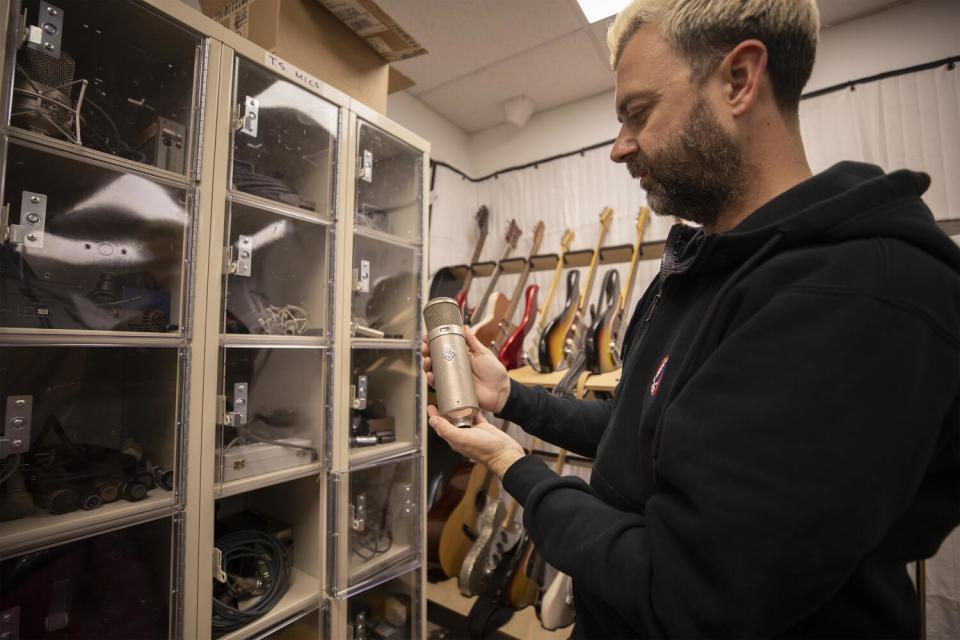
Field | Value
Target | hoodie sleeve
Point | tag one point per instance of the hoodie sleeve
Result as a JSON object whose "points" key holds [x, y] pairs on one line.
{"points": [[575, 425], [784, 461]]}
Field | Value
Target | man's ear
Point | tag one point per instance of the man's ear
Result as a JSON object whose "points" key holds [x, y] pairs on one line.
{"points": [[742, 72]]}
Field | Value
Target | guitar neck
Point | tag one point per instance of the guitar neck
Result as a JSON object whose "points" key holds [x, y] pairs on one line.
{"points": [[561, 460], [476, 256], [548, 300], [518, 292], [478, 312], [591, 276]]}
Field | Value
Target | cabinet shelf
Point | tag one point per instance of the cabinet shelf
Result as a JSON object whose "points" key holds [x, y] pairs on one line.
{"points": [[236, 487], [18, 536], [302, 597]]}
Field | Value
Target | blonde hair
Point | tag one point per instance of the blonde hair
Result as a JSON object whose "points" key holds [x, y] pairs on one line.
{"points": [[703, 31]]}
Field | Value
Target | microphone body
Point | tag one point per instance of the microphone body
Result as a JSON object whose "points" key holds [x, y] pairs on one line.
{"points": [[452, 376]]}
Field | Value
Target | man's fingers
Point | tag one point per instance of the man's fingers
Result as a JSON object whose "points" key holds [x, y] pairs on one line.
{"points": [[430, 378], [427, 364], [472, 343]]}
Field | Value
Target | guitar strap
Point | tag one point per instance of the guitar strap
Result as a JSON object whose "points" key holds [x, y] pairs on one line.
{"points": [[488, 613]]}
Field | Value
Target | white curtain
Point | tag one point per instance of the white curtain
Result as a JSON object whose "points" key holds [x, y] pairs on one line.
{"points": [[909, 121]]}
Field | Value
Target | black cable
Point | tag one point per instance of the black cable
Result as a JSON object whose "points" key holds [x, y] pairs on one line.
{"points": [[237, 550]]}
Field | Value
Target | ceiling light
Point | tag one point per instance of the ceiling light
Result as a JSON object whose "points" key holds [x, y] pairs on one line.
{"points": [[518, 110], [597, 10]]}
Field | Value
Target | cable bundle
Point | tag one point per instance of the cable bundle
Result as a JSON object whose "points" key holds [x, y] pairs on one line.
{"points": [[257, 565]]}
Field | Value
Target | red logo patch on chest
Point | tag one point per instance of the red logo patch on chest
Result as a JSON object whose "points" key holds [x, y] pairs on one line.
{"points": [[658, 376]]}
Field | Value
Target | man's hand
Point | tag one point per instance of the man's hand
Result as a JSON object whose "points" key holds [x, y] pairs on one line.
{"points": [[489, 375], [482, 442]]}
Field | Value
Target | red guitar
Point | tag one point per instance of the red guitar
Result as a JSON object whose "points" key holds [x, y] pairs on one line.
{"points": [[511, 353], [482, 216]]}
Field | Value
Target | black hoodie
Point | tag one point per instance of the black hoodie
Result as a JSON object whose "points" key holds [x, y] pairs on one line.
{"points": [[784, 438]]}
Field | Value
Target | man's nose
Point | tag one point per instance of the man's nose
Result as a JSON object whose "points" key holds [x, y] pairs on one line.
{"points": [[623, 147]]}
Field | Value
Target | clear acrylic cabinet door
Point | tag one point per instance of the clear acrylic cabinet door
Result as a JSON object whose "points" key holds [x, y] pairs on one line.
{"points": [[385, 398], [275, 411], [285, 144], [97, 432], [386, 292], [116, 77], [114, 586], [389, 184], [374, 521], [89, 248], [279, 280], [390, 610]]}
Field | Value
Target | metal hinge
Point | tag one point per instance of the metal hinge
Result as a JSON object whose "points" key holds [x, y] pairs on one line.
{"points": [[10, 624], [238, 416], [358, 513], [361, 277], [218, 573], [247, 115], [358, 394], [16, 426], [366, 166], [33, 221], [46, 35], [243, 264]]}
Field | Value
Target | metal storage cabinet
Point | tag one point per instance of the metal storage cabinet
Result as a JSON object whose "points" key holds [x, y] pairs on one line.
{"points": [[100, 147], [211, 276]]}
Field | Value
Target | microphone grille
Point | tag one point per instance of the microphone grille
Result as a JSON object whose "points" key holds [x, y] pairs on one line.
{"points": [[440, 311]]}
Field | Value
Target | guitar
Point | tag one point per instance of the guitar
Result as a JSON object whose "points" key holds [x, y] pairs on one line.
{"points": [[527, 580], [482, 217], [606, 309], [497, 326], [556, 607], [511, 354], [550, 347], [532, 356], [610, 339], [565, 337], [451, 530], [479, 315]]}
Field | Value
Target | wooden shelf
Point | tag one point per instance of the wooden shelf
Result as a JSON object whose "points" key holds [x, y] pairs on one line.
{"points": [[604, 381], [523, 625], [529, 377]]}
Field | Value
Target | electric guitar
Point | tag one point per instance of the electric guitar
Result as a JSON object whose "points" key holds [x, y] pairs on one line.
{"points": [[479, 315], [564, 338], [497, 326], [610, 339], [532, 356], [527, 580], [482, 217], [511, 354], [606, 310], [556, 607]]}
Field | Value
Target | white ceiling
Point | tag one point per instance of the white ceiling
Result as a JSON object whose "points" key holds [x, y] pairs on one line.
{"points": [[485, 52]]}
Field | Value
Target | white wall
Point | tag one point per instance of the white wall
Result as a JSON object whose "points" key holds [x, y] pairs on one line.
{"points": [[448, 142], [906, 35]]}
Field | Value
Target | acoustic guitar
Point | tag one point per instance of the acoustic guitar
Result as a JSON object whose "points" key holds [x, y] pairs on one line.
{"points": [[480, 314], [532, 355], [564, 337], [482, 217], [494, 330]]}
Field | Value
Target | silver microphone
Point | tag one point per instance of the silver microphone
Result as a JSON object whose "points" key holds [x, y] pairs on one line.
{"points": [[452, 376]]}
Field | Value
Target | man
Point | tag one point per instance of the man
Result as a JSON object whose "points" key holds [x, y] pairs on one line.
{"points": [[784, 439]]}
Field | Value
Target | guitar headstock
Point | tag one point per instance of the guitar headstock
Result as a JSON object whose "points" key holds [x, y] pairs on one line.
{"points": [[567, 240], [605, 217], [537, 238], [513, 234], [483, 217]]}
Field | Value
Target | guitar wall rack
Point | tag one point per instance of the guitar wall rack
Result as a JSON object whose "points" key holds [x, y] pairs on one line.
{"points": [[608, 255]]}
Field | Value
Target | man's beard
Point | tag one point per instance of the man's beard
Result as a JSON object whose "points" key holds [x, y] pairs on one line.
{"points": [[696, 178]]}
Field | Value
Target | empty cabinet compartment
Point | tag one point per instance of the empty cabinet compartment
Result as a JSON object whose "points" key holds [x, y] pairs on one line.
{"points": [[282, 523], [275, 411], [115, 77], [285, 143], [278, 280], [386, 290], [90, 248], [114, 586], [390, 610], [89, 433], [384, 398], [389, 184], [374, 524]]}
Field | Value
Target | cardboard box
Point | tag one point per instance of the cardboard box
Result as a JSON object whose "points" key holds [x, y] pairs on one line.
{"points": [[366, 19], [305, 34]]}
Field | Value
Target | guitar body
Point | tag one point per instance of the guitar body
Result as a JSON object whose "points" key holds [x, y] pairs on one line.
{"points": [[475, 570], [600, 333], [511, 352], [457, 535], [607, 339], [523, 589], [439, 515], [461, 299], [553, 340], [486, 328], [556, 607]]}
